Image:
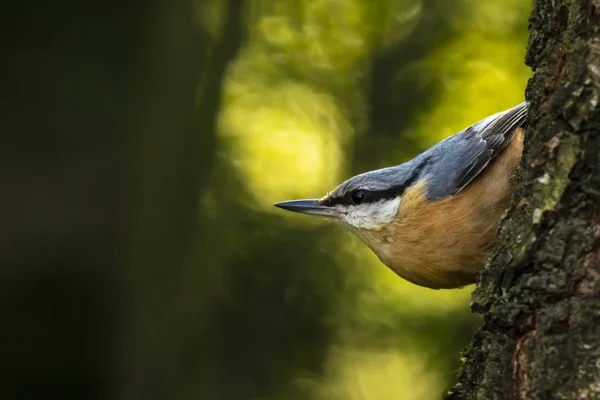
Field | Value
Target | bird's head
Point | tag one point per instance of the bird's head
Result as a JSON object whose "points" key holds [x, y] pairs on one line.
{"points": [[368, 201]]}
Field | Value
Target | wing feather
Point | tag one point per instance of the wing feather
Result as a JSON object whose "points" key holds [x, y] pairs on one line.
{"points": [[488, 138]]}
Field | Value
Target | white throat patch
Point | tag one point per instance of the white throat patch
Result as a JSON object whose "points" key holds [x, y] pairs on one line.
{"points": [[370, 215]]}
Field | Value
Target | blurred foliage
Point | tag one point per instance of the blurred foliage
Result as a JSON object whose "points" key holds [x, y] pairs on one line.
{"points": [[175, 127], [323, 89]]}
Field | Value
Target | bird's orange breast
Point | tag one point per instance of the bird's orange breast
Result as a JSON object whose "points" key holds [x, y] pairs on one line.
{"points": [[443, 244]]}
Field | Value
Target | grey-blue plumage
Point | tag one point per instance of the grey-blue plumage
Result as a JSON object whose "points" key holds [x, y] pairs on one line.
{"points": [[448, 167]]}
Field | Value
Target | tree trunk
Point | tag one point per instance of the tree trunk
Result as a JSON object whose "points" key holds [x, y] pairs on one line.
{"points": [[540, 291], [103, 158]]}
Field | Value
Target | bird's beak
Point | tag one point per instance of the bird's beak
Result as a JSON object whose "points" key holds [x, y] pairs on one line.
{"points": [[313, 207]]}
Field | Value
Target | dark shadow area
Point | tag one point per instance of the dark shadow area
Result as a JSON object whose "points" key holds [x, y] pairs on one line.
{"points": [[400, 90]]}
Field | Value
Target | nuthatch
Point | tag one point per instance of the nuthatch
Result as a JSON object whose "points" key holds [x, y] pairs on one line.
{"points": [[433, 219]]}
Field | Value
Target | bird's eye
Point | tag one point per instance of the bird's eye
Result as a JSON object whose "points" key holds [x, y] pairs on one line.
{"points": [[358, 196]]}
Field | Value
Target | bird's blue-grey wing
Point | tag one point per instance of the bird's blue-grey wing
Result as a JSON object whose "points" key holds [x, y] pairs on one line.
{"points": [[462, 157]]}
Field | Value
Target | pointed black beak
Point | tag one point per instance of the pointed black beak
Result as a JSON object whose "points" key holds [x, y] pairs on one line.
{"points": [[312, 207]]}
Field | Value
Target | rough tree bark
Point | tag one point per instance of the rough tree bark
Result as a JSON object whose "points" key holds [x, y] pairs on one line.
{"points": [[540, 291]]}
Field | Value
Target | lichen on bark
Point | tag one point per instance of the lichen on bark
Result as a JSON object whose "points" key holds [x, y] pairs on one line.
{"points": [[539, 292]]}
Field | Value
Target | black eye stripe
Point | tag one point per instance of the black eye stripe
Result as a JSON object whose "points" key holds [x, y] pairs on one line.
{"points": [[370, 196], [373, 196]]}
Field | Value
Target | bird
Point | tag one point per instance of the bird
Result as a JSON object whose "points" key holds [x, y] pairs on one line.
{"points": [[433, 220]]}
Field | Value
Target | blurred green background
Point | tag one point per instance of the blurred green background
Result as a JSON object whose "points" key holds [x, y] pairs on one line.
{"points": [[141, 255]]}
